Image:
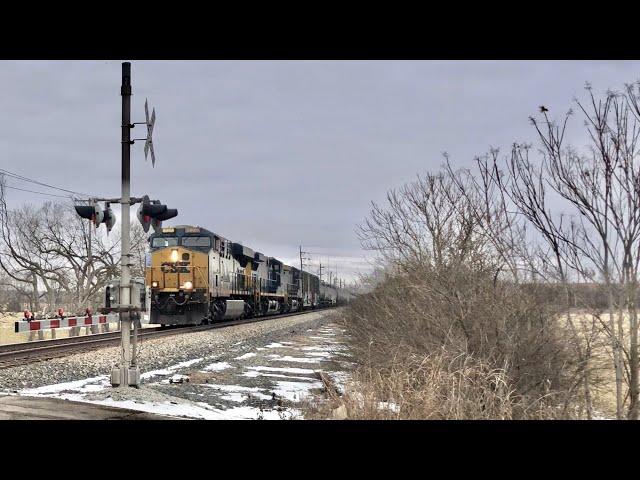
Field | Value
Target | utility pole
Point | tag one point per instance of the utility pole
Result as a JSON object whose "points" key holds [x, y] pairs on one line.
{"points": [[302, 264], [320, 274], [301, 277]]}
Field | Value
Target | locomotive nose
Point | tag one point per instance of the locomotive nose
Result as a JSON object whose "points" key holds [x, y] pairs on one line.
{"points": [[171, 270]]}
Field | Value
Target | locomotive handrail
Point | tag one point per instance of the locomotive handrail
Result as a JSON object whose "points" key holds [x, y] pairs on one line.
{"points": [[204, 278]]}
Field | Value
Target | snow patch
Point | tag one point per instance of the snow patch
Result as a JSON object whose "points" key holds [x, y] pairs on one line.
{"points": [[216, 367], [254, 374], [394, 407], [77, 385], [295, 391], [245, 356], [234, 397], [282, 369], [287, 358], [170, 370]]}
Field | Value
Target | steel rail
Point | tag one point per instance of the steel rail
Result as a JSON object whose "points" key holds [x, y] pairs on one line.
{"points": [[17, 354]]}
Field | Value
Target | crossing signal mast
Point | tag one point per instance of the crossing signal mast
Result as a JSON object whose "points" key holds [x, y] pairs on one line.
{"points": [[151, 212]]}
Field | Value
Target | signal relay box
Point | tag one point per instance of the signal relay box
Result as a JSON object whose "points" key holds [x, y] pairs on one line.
{"points": [[140, 297]]}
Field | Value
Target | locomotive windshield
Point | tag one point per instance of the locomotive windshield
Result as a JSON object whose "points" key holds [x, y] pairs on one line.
{"points": [[160, 242], [196, 242]]}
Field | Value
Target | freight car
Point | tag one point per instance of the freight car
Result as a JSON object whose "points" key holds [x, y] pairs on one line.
{"points": [[197, 276], [328, 295]]}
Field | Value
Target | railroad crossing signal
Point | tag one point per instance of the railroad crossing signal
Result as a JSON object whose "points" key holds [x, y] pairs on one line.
{"points": [[109, 217], [157, 212], [91, 212], [148, 145], [97, 215], [145, 220]]}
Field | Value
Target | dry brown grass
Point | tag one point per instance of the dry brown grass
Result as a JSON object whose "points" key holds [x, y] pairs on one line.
{"points": [[456, 345], [437, 387]]}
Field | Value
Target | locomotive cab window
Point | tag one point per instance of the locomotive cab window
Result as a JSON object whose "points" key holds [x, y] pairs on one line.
{"points": [[196, 242], [161, 242]]}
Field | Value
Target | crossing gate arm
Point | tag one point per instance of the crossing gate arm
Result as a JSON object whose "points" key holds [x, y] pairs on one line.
{"points": [[66, 322]]}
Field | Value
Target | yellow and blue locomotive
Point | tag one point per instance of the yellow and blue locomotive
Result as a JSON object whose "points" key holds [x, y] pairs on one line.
{"points": [[197, 276]]}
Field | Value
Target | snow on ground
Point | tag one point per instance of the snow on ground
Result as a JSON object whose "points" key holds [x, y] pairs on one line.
{"points": [[82, 386], [394, 407], [216, 367], [169, 370], [245, 356], [295, 391], [260, 368], [229, 386], [256, 374], [289, 358]]}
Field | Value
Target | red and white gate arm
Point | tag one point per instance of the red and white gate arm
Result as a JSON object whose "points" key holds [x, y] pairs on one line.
{"points": [[49, 323]]}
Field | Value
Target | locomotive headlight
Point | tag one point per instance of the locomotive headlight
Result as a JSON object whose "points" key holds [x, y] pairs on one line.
{"points": [[154, 284], [188, 285], [174, 255]]}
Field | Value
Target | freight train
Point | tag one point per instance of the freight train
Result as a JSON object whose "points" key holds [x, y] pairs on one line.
{"points": [[197, 276]]}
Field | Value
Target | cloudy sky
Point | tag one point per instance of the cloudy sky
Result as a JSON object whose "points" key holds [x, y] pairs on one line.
{"points": [[276, 153]]}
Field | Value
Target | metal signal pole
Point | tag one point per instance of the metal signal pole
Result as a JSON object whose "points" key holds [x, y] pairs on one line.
{"points": [[121, 375], [127, 372]]}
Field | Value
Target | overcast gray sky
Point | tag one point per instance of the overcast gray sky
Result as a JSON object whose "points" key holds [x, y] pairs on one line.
{"points": [[276, 153]]}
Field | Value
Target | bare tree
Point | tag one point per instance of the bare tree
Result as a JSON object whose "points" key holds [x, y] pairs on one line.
{"points": [[601, 190], [52, 248]]}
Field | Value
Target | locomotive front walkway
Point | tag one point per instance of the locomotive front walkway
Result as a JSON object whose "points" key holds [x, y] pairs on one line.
{"points": [[41, 408]]}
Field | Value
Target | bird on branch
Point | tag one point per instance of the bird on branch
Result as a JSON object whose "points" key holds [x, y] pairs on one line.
{"points": [[543, 109]]}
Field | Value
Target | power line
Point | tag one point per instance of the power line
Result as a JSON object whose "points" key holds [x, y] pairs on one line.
{"points": [[27, 179], [39, 193]]}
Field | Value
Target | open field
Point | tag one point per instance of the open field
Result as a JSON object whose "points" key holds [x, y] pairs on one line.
{"points": [[593, 333]]}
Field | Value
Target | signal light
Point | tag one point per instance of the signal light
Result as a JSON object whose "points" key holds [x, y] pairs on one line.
{"points": [[155, 213], [109, 218], [107, 296], [95, 213], [91, 212], [145, 220]]}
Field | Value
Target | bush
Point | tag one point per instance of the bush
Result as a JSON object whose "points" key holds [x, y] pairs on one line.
{"points": [[455, 343]]}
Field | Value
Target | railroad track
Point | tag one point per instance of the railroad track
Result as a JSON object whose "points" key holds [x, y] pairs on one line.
{"points": [[17, 354]]}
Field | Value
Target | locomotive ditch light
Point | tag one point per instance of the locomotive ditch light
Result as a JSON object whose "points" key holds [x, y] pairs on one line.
{"points": [[187, 286], [154, 284]]}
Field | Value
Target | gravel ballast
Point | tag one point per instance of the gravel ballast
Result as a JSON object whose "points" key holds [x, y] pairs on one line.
{"points": [[162, 352]]}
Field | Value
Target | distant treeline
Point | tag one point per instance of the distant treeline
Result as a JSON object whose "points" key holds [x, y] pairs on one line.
{"points": [[590, 296]]}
